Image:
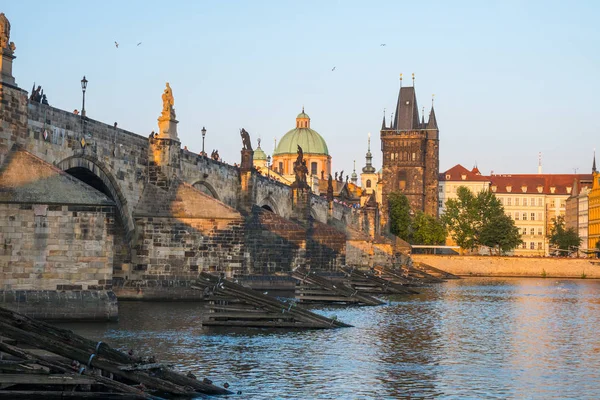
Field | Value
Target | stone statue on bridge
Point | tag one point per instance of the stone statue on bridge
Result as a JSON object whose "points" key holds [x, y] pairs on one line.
{"points": [[168, 102], [5, 43], [300, 170], [330, 189], [247, 145]]}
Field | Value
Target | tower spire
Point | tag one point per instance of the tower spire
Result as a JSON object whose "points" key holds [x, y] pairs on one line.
{"points": [[383, 123], [354, 178], [594, 163], [368, 168]]}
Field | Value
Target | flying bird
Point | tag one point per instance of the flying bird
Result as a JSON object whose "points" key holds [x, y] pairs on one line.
{"points": [[333, 69], [117, 45], [382, 44], [139, 43]]}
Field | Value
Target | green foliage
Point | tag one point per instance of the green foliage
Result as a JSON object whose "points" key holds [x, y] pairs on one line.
{"points": [[598, 244], [399, 209], [460, 218], [544, 274], [422, 229], [426, 229], [562, 238], [475, 220]]}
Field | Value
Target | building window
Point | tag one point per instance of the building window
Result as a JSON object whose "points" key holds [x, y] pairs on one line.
{"points": [[517, 201], [441, 189], [525, 202], [368, 183], [524, 246], [539, 216], [402, 180], [533, 216], [508, 201], [532, 202], [524, 231], [540, 232], [517, 216], [539, 245], [414, 156], [540, 202], [313, 168], [524, 216], [532, 232], [532, 245], [552, 204], [440, 204], [280, 167]]}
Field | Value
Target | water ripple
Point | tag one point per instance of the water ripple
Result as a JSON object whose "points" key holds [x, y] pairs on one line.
{"points": [[477, 338]]}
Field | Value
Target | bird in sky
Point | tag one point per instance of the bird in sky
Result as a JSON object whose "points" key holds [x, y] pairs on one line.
{"points": [[139, 43], [116, 45], [382, 44], [333, 69]]}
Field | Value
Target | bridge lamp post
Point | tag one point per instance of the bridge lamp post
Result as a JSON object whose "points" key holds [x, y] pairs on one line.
{"points": [[203, 136], [84, 83]]}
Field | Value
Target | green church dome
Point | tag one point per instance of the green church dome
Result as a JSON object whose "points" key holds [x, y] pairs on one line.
{"points": [[309, 139], [259, 154]]}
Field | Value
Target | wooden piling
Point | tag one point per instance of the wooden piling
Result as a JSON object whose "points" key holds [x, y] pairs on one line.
{"points": [[231, 304]]}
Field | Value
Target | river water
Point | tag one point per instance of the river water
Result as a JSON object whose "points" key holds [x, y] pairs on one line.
{"points": [[472, 338]]}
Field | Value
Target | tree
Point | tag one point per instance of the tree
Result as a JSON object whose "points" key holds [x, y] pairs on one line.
{"points": [[500, 233], [475, 220], [426, 229], [561, 238], [399, 212], [460, 218]]}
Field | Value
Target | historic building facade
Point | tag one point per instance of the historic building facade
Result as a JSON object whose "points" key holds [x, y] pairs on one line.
{"points": [[594, 209], [455, 177], [410, 149]]}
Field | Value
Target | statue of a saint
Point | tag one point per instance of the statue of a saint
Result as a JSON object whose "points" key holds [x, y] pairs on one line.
{"points": [[4, 32], [247, 145], [168, 102], [300, 169], [330, 189]]}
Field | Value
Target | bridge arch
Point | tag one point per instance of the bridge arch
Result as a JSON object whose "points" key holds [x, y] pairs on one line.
{"points": [[206, 188], [269, 204], [94, 173]]}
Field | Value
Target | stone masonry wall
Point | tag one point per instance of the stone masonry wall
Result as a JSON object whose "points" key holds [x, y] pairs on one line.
{"points": [[273, 243], [185, 247], [325, 248], [47, 247], [56, 261]]}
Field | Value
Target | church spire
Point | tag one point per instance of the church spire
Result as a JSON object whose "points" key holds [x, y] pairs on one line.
{"points": [[368, 168], [594, 163], [354, 178], [383, 123], [432, 123]]}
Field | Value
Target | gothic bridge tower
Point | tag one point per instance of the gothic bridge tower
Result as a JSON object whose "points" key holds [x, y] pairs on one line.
{"points": [[410, 149]]}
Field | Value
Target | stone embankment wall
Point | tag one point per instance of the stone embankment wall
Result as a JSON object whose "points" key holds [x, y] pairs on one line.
{"points": [[513, 266]]}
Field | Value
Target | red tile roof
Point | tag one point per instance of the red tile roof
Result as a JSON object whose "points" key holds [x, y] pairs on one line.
{"points": [[456, 173]]}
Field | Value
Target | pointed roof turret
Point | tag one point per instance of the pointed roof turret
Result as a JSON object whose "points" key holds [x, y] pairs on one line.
{"points": [[594, 163], [383, 123], [354, 177], [407, 111], [368, 168], [432, 123]]}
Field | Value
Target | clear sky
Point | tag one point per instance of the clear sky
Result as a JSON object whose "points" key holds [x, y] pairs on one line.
{"points": [[510, 78]]}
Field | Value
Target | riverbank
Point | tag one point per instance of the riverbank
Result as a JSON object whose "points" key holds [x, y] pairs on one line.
{"points": [[534, 267]]}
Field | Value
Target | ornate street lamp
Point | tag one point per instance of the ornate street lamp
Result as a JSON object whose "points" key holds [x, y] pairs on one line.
{"points": [[203, 136], [84, 83]]}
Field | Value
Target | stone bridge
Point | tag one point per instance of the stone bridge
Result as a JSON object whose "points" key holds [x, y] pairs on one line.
{"points": [[150, 216]]}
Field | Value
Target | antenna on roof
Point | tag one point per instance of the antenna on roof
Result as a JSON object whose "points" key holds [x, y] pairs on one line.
{"points": [[540, 162], [400, 80], [432, 98], [413, 78]]}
